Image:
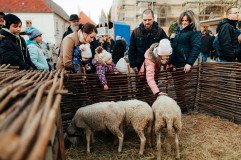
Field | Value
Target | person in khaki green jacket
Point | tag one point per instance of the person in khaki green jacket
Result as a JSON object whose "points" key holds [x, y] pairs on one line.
{"points": [[155, 56], [85, 34]]}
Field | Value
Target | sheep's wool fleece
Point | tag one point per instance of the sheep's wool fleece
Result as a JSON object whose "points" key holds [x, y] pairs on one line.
{"points": [[136, 111], [100, 115], [167, 106]]}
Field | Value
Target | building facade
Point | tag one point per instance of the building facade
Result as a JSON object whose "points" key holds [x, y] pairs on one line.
{"points": [[45, 15], [168, 11]]}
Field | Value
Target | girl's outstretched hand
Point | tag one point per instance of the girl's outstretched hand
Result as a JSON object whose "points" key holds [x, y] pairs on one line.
{"points": [[106, 88]]}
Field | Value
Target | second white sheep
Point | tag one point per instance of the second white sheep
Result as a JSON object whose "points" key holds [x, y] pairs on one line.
{"points": [[139, 115]]}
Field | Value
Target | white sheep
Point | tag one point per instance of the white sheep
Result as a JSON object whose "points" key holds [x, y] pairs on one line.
{"points": [[167, 114], [98, 117], [138, 114]]}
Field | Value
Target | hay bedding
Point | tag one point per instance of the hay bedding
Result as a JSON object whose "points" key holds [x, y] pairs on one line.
{"points": [[202, 138]]}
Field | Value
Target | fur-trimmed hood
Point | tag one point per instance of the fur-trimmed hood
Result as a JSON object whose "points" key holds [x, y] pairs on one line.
{"points": [[149, 53]]}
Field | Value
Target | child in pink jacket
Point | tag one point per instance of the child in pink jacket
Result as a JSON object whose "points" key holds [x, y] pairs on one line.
{"points": [[155, 56]]}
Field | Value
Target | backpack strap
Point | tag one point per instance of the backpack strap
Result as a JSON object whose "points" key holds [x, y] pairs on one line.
{"points": [[137, 32]]}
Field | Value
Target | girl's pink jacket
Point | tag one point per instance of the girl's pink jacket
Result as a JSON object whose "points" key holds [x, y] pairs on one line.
{"points": [[150, 66]]}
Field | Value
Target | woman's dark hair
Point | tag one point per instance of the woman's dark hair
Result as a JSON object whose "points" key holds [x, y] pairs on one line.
{"points": [[191, 18], [88, 28]]}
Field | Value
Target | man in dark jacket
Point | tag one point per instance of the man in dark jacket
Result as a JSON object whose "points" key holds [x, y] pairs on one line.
{"points": [[227, 45], [206, 45], [74, 25], [142, 38], [13, 48]]}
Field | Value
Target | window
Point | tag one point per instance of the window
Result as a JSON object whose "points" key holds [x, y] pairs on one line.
{"points": [[57, 27]]}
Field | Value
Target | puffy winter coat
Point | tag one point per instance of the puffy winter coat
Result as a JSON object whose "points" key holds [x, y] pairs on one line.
{"points": [[227, 45], [78, 62], [141, 40], [37, 55], [186, 46], [13, 51], [150, 67]]}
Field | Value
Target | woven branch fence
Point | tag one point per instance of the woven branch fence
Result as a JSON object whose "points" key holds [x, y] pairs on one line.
{"points": [[220, 90], [30, 119], [87, 89], [210, 87]]}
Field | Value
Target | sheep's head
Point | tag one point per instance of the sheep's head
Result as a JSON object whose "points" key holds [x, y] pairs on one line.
{"points": [[73, 134], [71, 130]]}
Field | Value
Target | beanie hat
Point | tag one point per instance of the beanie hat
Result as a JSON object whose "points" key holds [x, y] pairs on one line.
{"points": [[102, 55], [163, 48], [11, 19], [85, 50], [33, 33], [106, 56]]}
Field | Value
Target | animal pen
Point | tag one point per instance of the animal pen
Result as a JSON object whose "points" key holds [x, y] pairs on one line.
{"points": [[30, 98]]}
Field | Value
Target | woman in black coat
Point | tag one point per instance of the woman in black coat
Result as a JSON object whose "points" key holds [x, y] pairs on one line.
{"points": [[186, 44]]}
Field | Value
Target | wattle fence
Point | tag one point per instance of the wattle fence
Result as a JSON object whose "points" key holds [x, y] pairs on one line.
{"points": [[210, 87]]}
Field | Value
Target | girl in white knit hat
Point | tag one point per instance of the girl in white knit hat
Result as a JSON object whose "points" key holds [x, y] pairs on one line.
{"points": [[155, 56], [103, 63]]}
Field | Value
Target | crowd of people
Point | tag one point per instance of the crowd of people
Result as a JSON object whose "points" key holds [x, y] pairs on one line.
{"points": [[149, 47]]}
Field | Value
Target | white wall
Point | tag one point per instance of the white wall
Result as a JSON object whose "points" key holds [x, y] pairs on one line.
{"points": [[61, 25], [47, 24]]}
